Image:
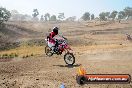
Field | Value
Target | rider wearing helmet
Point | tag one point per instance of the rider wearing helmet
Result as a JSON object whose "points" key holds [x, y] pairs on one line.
{"points": [[52, 41]]}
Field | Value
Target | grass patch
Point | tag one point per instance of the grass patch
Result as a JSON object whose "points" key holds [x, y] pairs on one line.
{"points": [[8, 56], [23, 51]]}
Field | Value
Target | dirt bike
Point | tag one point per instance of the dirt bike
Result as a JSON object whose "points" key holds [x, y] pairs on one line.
{"points": [[62, 47]]}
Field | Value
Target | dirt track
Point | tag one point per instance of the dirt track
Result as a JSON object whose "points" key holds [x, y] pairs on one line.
{"points": [[104, 51]]}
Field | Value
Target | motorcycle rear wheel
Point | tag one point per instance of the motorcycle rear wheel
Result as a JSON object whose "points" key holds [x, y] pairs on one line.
{"points": [[48, 51]]}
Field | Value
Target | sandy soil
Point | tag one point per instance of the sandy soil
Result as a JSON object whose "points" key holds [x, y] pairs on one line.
{"points": [[100, 49]]}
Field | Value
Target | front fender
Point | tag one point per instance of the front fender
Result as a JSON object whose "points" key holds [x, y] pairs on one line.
{"points": [[68, 47]]}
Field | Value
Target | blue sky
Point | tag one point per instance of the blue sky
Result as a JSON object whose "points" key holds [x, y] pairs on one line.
{"points": [[69, 7]]}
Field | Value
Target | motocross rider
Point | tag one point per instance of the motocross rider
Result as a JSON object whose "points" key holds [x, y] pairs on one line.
{"points": [[52, 43]]}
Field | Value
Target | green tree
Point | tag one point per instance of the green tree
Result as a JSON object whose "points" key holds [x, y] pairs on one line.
{"points": [[53, 18], [113, 14], [92, 17], [107, 15], [121, 15], [4, 15], [61, 16], [102, 16], [35, 13], [86, 16], [42, 18], [128, 11], [47, 17], [73, 18]]}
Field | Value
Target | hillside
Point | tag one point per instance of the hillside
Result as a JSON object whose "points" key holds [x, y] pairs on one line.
{"points": [[100, 47]]}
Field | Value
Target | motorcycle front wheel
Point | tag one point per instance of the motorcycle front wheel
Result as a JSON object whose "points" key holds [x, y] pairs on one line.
{"points": [[69, 58]]}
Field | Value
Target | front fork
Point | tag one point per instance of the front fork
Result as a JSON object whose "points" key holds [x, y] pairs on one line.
{"points": [[67, 49]]}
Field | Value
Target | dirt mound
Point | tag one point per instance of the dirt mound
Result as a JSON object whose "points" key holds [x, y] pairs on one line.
{"points": [[11, 35], [20, 30], [111, 31]]}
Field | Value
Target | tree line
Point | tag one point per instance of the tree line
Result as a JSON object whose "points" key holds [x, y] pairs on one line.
{"points": [[104, 16], [14, 15]]}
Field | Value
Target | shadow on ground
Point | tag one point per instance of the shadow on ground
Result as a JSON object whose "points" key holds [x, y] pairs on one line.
{"points": [[68, 66]]}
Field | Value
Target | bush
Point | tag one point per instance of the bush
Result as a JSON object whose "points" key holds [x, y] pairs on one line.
{"points": [[11, 55], [5, 56], [23, 57], [27, 56], [32, 54], [16, 55]]}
